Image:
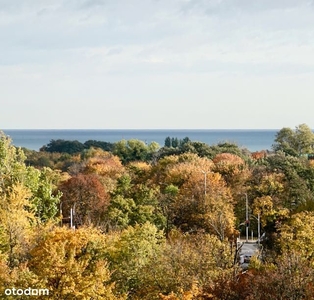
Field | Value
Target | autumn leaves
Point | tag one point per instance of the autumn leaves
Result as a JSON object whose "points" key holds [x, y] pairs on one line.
{"points": [[155, 227]]}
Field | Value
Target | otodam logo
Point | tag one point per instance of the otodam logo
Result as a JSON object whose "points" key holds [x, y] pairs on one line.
{"points": [[26, 292]]}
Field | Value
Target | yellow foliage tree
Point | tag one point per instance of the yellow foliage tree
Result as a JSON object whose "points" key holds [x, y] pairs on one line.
{"points": [[104, 164], [71, 264], [16, 221], [233, 169], [263, 206], [298, 235], [186, 264]]}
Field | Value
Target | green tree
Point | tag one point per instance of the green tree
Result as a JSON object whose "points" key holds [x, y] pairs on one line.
{"points": [[134, 204], [41, 184], [295, 142], [129, 252], [175, 142], [12, 167], [167, 199], [168, 142], [45, 197], [134, 150], [63, 146], [106, 146]]}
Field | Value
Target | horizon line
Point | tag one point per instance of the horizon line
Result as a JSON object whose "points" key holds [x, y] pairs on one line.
{"points": [[141, 129]]}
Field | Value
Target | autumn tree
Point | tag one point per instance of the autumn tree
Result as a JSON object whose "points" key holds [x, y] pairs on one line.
{"points": [[105, 165], [12, 167], [186, 261], [139, 172], [72, 265], [289, 277], [42, 184], [166, 202], [203, 201], [86, 195], [297, 234], [27, 197], [295, 178], [16, 222], [234, 171]]}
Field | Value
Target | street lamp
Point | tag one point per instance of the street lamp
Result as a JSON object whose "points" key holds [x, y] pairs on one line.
{"points": [[72, 214], [61, 216], [205, 179], [247, 217], [258, 227]]}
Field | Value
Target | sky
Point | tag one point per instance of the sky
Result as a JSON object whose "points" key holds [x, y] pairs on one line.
{"points": [[156, 64]]}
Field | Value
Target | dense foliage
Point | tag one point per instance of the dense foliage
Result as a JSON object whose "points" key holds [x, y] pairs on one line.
{"points": [[152, 222]]}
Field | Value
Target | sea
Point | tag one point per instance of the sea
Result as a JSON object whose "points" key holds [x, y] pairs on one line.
{"points": [[251, 139]]}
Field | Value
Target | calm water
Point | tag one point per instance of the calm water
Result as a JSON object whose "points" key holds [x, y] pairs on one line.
{"points": [[253, 140]]}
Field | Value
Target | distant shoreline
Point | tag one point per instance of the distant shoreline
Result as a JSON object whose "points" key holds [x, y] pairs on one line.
{"points": [[252, 139]]}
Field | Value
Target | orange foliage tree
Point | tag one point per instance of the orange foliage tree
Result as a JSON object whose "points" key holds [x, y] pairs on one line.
{"points": [[87, 196]]}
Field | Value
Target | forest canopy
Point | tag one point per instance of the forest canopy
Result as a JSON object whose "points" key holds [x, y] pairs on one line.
{"points": [[131, 220]]}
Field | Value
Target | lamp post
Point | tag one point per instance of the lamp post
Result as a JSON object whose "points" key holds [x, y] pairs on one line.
{"points": [[72, 214], [258, 227], [61, 216], [205, 180], [247, 217]]}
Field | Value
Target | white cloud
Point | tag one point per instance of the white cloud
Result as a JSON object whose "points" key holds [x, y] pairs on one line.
{"points": [[143, 51]]}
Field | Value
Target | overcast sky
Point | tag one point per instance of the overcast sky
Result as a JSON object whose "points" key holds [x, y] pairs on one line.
{"points": [[150, 64]]}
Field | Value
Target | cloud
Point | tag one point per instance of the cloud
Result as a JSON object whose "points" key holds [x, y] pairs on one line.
{"points": [[159, 36]]}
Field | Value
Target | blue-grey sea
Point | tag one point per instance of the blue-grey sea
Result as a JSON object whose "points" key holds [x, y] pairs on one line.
{"points": [[253, 140]]}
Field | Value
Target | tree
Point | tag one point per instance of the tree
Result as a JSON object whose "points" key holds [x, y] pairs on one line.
{"points": [[12, 167], [41, 184], [72, 265], [106, 146], [129, 252], [233, 169], [105, 165], [304, 139], [166, 201], [16, 221], [168, 142], [87, 196], [133, 150], [297, 234], [197, 206], [295, 142], [175, 142], [134, 204], [184, 261], [45, 197], [230, 148], [63, 146], [200, 148], [287, 179]]}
